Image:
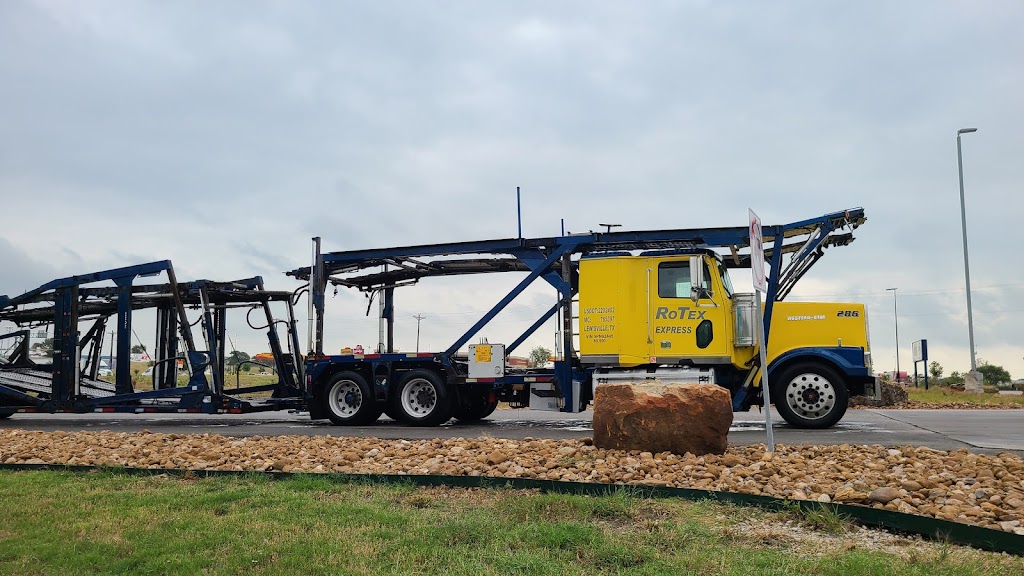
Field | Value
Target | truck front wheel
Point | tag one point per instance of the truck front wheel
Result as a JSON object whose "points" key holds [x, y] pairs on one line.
{"points": [[422, 399], [348, 401], [810, 395]]}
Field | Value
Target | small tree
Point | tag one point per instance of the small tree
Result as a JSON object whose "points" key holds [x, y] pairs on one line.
{"points": [[138, 349], [935, 369], [954, 379], [539, 356], [235, 358], [994, 374], [44, 347]]}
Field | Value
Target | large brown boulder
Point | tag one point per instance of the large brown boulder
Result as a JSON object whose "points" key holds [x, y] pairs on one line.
{"points": [[657, 417]]}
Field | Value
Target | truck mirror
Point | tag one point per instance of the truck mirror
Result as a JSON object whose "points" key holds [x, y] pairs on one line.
{"points": [[696, 278]]}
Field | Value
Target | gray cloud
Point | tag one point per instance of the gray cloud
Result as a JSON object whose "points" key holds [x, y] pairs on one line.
{"points": [[223, 136]]}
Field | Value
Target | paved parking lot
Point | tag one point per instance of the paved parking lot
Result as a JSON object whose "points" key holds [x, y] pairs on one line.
{"points": [[976, 430]]}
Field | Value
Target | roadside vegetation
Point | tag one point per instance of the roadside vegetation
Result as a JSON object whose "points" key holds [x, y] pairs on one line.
{"points": [[945, 395], [949, 389], [108, 523]]}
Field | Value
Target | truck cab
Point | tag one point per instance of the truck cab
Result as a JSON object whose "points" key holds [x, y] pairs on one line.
{"points": [[675, 315]]}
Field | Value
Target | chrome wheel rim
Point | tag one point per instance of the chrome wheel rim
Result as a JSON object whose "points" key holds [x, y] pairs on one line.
{"points": [[419, 398], [345, 398], [811, 396]]}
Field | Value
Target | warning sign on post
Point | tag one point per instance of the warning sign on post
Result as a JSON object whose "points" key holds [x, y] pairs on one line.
{"points": [[761, 286], [757, 254]]}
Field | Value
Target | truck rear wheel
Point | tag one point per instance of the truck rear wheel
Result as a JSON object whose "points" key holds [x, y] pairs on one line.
{"points": [[481, 405], [810, 395], [421, 399], [348, 401]]}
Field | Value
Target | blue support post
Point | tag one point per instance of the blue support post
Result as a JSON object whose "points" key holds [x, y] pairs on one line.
{"points": [[563, 369], [123, 380], [773, 280], [65, 344]]}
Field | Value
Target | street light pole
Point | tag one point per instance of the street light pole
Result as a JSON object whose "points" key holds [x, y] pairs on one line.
{"points": [[967, 267], [895, 315]]}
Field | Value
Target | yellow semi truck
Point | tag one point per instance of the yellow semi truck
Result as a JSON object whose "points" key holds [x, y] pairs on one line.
{"points": [[678, 313], [640, 304]]}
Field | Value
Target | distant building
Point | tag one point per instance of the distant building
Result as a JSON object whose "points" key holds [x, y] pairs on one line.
{"points": [[517, 362]]}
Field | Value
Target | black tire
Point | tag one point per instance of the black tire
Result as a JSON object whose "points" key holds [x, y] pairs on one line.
{"points": [[480, 406], [390, 412], [5, 415], [810, 395], [348, 400], [421, 399]]}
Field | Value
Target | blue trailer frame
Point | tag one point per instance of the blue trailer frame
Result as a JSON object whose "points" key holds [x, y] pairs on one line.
{"points": [[550, 258]]}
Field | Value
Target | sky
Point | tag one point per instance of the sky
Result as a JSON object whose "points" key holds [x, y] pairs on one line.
{"points": [[224, 135]]}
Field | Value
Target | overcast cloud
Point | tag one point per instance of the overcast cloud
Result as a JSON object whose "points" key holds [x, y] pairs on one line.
{"points": [[223, 135]]}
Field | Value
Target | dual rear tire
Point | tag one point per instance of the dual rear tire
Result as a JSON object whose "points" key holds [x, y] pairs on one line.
{"points": [[421, 399], [348, 400]]}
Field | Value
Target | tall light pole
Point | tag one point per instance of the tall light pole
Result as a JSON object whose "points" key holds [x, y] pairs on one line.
{"points": [[895, 315], [967, 267], [418, 318]]}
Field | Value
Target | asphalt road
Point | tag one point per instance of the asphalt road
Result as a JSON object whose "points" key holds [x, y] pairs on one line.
{"points": [[985, 431]]}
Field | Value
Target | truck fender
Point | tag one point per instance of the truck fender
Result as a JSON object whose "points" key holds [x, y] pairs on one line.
{"points": [[848, 360]]}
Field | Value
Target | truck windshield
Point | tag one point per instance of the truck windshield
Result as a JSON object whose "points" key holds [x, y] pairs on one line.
{"points": [[726, 281]]}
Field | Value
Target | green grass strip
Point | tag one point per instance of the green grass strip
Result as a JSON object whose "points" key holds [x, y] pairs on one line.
{"points": [[930, 528]]}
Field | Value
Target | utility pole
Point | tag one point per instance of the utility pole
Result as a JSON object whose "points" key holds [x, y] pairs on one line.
{"points": [[895, 314], [418, 318]]}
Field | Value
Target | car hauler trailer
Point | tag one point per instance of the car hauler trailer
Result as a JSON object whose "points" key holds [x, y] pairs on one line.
{"points": [[70, 384], [651, 304]]}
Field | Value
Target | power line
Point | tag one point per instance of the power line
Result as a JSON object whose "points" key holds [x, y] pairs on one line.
{"points": [[924, 292]]}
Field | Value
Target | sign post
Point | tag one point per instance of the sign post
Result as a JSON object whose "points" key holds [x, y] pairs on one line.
{"points": [[761, 285], [921, 355]]}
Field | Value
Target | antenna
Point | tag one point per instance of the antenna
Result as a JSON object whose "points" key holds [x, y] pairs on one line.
{"points": [[519, 213]]}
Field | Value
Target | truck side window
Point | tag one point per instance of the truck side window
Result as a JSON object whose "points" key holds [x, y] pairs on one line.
{"points": [[674, 279]]}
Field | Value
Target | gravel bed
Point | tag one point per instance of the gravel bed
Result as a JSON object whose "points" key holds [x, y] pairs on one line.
{"points": [[972, 488]]}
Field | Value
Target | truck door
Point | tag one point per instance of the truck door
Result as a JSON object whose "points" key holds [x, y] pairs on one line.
{"points": [[681, 328]]}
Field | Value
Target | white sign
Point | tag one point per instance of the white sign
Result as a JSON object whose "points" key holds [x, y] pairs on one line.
{"points": [[757, 254], [761, 285]]}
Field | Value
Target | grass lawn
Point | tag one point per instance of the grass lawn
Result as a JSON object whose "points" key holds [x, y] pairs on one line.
{"points": [[941, 395], [106, 523], [244, 379]]}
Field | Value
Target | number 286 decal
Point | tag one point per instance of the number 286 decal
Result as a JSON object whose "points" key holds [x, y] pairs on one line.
{"points": [[848, 314]]}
